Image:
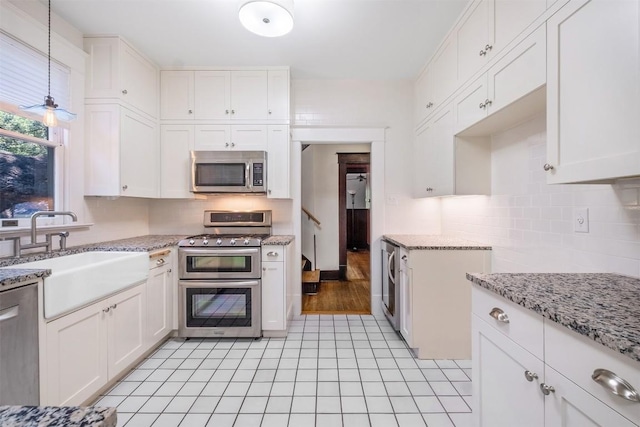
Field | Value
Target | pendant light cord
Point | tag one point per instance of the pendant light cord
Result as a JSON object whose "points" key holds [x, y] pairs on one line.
{"points": [[49, 56]]}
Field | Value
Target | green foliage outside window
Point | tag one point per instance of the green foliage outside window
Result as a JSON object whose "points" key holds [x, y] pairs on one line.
{"points": [[26, 127]]}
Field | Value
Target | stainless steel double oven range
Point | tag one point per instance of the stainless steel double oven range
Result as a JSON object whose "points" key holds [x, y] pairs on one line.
{"points": [[219, 276]]}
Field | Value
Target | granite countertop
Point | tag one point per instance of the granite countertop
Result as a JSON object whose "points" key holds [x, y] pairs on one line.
{"points": [[16, 275], [53, 416], [433, 242], [281, 240], [601, 306]]}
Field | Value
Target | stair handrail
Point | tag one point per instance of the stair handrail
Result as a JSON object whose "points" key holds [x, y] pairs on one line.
{"points": [[311, 216]]}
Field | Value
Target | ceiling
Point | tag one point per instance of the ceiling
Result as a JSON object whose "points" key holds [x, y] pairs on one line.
{"points": [[331, 39]]}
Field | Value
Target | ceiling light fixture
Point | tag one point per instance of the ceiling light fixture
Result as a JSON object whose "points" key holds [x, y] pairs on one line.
{"points": [[49, 110], [267, 18]]}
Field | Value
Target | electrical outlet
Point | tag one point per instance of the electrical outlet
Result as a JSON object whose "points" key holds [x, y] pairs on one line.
{"points": [[581, 220]]}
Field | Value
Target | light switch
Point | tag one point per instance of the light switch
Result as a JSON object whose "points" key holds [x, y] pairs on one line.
{"points": [[581, 220]]}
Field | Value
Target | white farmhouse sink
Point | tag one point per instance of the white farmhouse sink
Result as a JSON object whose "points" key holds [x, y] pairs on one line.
{"points": [[79, 279]]}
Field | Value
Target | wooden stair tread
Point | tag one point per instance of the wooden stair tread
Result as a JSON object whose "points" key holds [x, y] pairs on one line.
{"points": [[311, 276]]}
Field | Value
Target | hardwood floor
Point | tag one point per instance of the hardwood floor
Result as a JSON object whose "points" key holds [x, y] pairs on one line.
{"points": [[351, 296]]}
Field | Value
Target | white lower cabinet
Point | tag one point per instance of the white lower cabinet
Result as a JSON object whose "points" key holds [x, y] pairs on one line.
{"points": [[512, 386], [406, 296], [277, 298], [89, 347], [160, 286], [502, 395]]}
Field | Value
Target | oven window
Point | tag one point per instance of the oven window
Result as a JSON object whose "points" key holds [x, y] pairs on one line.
{"points": [[218, 307], [221, 174], [219, 263]]}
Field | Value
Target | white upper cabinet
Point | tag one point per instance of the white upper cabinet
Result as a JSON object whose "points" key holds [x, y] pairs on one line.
{"points": [[511, 18], [175, 163], [118, 73], [225, 96], [423, 96], [278, 162], [593, 89]]}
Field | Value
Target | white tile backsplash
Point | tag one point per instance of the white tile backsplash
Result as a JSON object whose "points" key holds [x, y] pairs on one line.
{"points": [[530, 224]]}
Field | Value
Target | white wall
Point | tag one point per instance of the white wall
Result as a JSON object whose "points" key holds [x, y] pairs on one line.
{"points": [[356, 103], [530, 223]]}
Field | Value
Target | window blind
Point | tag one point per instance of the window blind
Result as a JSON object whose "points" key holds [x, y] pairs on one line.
{"points": [[23, 75]]}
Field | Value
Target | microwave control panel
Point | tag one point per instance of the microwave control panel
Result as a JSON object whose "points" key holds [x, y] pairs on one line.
{"points": [[258, 174]]}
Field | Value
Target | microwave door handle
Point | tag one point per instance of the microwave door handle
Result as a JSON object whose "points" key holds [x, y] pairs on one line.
{"points": [[247, 175]]}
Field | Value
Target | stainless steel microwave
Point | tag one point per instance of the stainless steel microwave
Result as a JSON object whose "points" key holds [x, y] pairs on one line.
{"points": [[229, 172]]}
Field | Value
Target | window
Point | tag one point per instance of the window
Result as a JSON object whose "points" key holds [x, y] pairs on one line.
{"points": [[31, 155], [27, 167]]}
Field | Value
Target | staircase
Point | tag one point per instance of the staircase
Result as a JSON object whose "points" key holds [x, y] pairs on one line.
{"points": [[310, 278]]}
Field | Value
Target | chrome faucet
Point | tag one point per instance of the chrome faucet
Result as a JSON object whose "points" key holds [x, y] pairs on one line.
{"points": [[34, 232]]}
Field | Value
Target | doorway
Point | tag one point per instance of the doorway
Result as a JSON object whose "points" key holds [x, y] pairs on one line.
{"points": [[374, 138], [335, 247]]}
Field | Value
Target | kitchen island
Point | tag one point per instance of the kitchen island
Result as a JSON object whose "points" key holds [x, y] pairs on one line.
{"points": [[50, 416], [556, 346]]}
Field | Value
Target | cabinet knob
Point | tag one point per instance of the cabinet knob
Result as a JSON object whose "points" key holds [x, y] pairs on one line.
{"points": [[233, 111], [269, 191], [124, 92], [106, 310], [487, 102], [483, 52], [226, 111], [530, 376], [114, 306], [547, 167], [226, 144], [547, 389], [615, 385], [488, 47], [160, 261], [404, 257], [482, 105], [269, 111], [499, 315], [233, 144], [429, 189], [190, 111], [169, 270], [264, 268], [124, 187], [272, 253]]}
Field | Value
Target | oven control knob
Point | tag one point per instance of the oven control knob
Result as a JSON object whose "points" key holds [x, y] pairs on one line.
{"points": [[192, 242], [232, 242], [219, 242], [205, 242], [246, 241]]}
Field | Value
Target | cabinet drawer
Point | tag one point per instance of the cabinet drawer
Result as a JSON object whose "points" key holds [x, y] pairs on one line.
{"points": [[524, 326], [273, 253], [577, 356], [159, 258]]}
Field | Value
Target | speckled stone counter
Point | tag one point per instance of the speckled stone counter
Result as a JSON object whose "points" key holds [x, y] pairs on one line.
{"points": [[134, 244], [433, 242], [17, 275], [281, 240], [604, 307], [52, 416]]}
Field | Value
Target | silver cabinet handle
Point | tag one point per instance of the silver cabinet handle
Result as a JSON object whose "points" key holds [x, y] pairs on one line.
{"points": [[547, 389], [488, 47], [482, 105], [124, 187], [226, 111], [233, 111], [429, 189], [487, 102], [499, 315], [404, 257], [190, 111], [160, 261], [547, 167], [114, 306], [124, 92], [272, 253], [616, 385], [482, 52], [169, 271], [9, 313], [233, 144], [530, 376], [106, 310]]}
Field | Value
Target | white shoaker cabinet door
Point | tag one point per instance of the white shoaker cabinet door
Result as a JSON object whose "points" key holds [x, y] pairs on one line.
{"points": [[278, 94], [423, 104], [249, 137], [406, 298], [159, 299], [502, 395], [212, 137], [127, 329], [593, 91], [469, 106], [571, 406], [473, 38], [177, 94], [138, 156], [422, 175], [274, 308], [278, 155], [139, 81], [175, 163], [76, 365], [212, 95], [249, 95]]}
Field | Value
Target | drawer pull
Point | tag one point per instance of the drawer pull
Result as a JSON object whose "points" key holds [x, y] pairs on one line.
{"points": [[272, 253], [530, 376], [615, 384], [499, 315]]}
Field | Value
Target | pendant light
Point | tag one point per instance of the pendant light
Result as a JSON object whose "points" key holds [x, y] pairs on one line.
{"points": [[267, 18], [49, 110]]}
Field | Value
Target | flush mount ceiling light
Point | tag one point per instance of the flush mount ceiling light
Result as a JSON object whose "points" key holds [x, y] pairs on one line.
{"points": [[49, 110], [272, 18]]}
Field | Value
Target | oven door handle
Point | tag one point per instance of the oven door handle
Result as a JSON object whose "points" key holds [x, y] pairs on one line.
{"points": [[213, 251], [219, 283]]}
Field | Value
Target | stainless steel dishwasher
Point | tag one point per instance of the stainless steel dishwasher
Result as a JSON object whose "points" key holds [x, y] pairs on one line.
{"points": [[19, 384]]}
